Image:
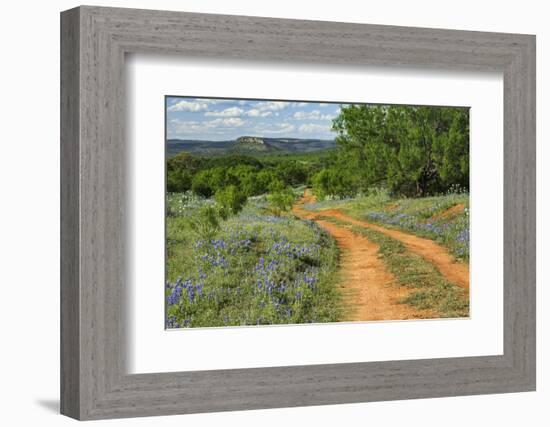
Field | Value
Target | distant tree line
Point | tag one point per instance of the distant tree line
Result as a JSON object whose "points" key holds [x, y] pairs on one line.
{"points": [[230, 180], [252, 176]]}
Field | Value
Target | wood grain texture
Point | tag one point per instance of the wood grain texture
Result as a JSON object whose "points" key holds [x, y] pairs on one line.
{"points": [[70, 221], [94, 382]]}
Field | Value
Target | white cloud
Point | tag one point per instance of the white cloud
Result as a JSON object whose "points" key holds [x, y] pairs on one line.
{"points": [[228, 112], [323, 104], [271, 105], [192, 106], [231, 122], [211, 101], [257, 113], [312, 127], [178, 127], [299, 104], [273, 128], [311, 115]]}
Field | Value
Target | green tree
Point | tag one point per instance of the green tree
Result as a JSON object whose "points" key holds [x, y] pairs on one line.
{"points": [[178, 181], [292, 172], [333, 182], [415, 150], [230, 201], [451, 153], [280, 198], [201, 183], [180, 170], [264, 178]]}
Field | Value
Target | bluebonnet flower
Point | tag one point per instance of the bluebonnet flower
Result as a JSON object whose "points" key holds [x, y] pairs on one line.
{"points": [[218, 244], [215, 261], [175, 295], [464, 236], [172, 323], [187, 285], [310, 280], [272, 265]]}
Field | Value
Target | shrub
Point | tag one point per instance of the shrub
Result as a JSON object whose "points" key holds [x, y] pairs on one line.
{"points": [[333, 182], [178, 181], [206, 222], [201, 184], [230, 201], [281, 200]]}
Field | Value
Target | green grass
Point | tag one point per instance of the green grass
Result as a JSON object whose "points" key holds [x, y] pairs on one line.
{"points": [[423, 217], [256, 269], [431, 291]]}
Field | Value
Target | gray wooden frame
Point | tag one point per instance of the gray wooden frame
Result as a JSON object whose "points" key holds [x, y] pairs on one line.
{"points": [[94, 382]]}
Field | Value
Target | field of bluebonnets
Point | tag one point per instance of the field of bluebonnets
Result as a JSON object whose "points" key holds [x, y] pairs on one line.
{"points": [[236, 254], [255, 268]]}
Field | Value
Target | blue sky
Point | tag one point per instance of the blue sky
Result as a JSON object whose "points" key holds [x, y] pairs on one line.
{"points": [[215, 119]]}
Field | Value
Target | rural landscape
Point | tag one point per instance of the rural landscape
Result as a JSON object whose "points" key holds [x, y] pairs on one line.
{"points": [[281, 212]]}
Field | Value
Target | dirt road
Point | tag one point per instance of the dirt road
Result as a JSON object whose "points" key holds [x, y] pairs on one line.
{"points": [[368, 289], [455, 272]]}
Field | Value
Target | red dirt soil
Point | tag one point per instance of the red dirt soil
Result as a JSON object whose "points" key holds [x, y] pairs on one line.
{"points": [[454, 271], [368, 289], [453, 210]]}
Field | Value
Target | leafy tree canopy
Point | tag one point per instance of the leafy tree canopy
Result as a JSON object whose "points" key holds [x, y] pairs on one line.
{"points": [[414, 150]]}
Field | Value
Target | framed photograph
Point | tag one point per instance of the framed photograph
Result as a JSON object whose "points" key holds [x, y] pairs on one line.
{"points": [[261, 213]]}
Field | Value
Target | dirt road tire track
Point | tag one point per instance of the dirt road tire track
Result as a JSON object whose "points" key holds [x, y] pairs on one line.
{"points": [[368, 289], [454, 271]]}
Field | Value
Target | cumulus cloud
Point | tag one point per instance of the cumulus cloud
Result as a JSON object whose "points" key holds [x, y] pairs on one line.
{"points": [[223, 119], [311, 115], [312, 127], [212, 101], [272, 105], [228, 112], [273, 128], [230, 122], [177, 126], [191, 106], [257, 113], [237, 112]]}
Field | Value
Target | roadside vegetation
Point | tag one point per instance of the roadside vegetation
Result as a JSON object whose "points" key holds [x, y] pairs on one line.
{"points": [[429, 289], [444, 218]]}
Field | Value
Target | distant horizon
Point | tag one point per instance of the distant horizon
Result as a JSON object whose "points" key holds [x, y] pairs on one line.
{"points": [[248, 136], [218, 120]]}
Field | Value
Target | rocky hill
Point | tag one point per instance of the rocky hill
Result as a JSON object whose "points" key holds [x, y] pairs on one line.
{"points": [[252, 144]]}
